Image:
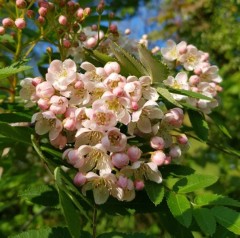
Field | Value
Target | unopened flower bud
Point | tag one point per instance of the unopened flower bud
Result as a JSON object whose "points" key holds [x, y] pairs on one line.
{"points": [[134, 153], [36, 81], [20, 23], [194, 80], [112, 67], [43, 3], [79, 179], [42, 11], [111, 15], [139, 185], [59, 142], [43, 103], [44, 90], [87, 11], [182, 139], [62, 20], [7, 22], [134, 106], [158, 157], [175, 151], [94, 27], [30, 14], [2, 30], [82, 36], [157, 143], [67, 43], [79, 13], [168, 160], [41, 20], [113, 28], [90, 42], [100, 7], [120, 160], [21, 4], [127, 31]]}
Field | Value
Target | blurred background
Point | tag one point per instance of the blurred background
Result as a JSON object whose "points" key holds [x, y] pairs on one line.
{"points": [[212, 26]]}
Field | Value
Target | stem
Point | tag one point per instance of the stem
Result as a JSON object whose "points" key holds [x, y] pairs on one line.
{"points": [[99, 21], [94, 221]]}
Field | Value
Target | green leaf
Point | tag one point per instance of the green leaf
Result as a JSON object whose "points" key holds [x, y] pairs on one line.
{"points": [[205, 220], [228, 218], [155, 68], [44, 195], [189, 93], [55, 232], [193, 182], [123, 235], [215, 199], [129, 64], [13, 69], [199, 124], [72, 216], [180, 207], [14, 117], [16, 133], [155, 192], [168, 96], [101, 57]]}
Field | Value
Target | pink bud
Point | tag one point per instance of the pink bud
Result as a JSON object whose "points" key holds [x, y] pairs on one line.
{"points": [[134, 153], [36, 81], [139, 184], [197, 70], [168, 160], [69, 124], [87, 11], [120, 160], [158, 157], [182, 139], [2, 30], [43, 3], [7, 22], [44, 90], [82, 36], [20, 23], [62, 20], [118, 91], [79, 13], [134, 106], [43, 104], [94, 27], [79, 85], [194, 79], [67, 43], [72, 157], [30, 14], [112, 67], [41, 20], [79, 179], [122, 182], [59, 142], [175, 151], [157, 143], [21, 4], [113, 28], [90, 42], [42, 11]]}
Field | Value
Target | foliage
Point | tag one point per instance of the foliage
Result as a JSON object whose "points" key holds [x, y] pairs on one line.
{"points": [[38, 183]]}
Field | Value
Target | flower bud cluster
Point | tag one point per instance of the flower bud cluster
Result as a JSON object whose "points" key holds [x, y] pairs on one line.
{"points": [[95, 115], [196, 74]]}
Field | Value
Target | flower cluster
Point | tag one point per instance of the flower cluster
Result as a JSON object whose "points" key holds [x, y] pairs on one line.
{"points": [[97, 115], [196, 74]]}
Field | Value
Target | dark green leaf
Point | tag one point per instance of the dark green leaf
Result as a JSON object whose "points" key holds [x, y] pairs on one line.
{"points": [[123, 235], [194, 182], [180, 207], [215, 199], [205, 220], [16, 133], [168, 96], [14, 117], [55, 232], [129, 64], [155, 192], [228, 218], [44, 195], [155, 68], [199, 124]]}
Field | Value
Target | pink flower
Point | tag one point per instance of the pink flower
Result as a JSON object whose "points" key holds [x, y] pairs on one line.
{"points": [[59, 142], [58, 104], [114, 140], [120, 160], [158, 157], [44, 90], [112, 67], [133, 88], [61, 74], [79, 179], [134, 153], [157, 143], [174, 117]]}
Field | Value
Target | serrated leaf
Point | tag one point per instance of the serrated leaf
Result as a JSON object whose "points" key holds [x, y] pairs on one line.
{"points": [[205, 220], [194, 182], [180, 208], [228, 218], [215, 199], [155, 192], [44, 195], [13, 69], [55, 232], [190, 94], [129, 64], [199, 124], [168, 96], [155, 68], [102, 57]]}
